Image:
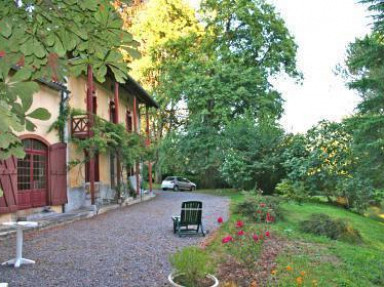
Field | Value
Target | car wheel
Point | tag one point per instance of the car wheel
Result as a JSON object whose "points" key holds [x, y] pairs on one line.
{"points": [[164, 189], [192, 188], [176, 188]]}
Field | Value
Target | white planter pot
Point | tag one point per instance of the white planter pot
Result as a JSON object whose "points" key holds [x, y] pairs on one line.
{"points": [[172, 276]]}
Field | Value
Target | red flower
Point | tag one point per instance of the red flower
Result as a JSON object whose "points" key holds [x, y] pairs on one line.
{"points": [[220, 220], [267, 233], [262, 204], [241, 233], [255, 237], [227, 239], [239, 224], [269, 217], [259, 211]]}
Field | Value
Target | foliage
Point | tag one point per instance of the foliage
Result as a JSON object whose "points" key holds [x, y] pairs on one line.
{"points": [[326, 161], [337, 229], [50, 40], [330, 159], [193, 263], [294, 190], [60, 123], [114, 138], [365, 73], [358, 193], [259, 208], [155, 24], [207, 78], [253, 154], [368, 146]]}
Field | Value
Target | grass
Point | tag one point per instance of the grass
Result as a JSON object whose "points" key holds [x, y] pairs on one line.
{"points": [[325, 262], [329, 262], [220, 192]]}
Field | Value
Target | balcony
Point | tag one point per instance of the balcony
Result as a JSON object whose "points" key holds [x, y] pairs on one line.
{"points": [[80, 126]]}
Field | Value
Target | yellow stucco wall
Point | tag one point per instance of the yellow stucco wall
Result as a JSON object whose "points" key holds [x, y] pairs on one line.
{"points": [[49, 99], [104, 93]]}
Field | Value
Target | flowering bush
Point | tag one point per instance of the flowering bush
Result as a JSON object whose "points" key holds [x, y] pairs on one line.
{"points": [[259, 208], [245, 245]]}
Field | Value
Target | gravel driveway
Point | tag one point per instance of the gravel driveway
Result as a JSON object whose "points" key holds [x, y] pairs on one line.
{"points": [[125, 247]]}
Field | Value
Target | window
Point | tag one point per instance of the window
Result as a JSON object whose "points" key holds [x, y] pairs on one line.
{"points": [[32, 169]]}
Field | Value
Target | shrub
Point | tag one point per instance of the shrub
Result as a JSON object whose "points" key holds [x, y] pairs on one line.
{"points": [[259, 208], [336, 229], [293, 190], [192, 263]]}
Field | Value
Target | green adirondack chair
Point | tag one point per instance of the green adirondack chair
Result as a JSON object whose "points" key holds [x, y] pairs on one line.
{"points": [[189, 221]]}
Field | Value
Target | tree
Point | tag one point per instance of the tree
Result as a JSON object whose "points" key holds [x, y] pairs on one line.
{"points": [[365, 74], [223, 75], [253, 154], [156, 24]]}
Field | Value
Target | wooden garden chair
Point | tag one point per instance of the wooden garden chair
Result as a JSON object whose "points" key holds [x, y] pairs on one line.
{"points": [[189, 221]]}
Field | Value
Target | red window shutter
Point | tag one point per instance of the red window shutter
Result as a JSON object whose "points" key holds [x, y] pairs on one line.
{"points": [[58, 174], [8, 183]]}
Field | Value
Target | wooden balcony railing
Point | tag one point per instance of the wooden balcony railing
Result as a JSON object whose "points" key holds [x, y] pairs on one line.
{"points": [[80, 126]]}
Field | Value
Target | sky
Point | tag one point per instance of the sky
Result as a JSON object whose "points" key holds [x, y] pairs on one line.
{"points": [[322, 30]]}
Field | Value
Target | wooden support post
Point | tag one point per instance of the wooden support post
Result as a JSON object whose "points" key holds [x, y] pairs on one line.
{"points": [[90, 94], [116, 121], [148, 143], [135, 127]]}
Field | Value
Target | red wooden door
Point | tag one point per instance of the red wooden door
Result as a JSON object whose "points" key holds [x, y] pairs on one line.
{"points": [[58, 174], [8, 183], [32, 175]]}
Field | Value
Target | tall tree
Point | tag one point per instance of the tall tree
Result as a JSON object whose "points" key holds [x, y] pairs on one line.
{"points": [[156, 24], [224, 74], [365, 74]]}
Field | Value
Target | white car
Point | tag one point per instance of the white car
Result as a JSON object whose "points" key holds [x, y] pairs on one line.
{"points": [[177, 183]]}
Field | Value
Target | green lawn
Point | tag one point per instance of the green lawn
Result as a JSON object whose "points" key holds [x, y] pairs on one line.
{"points": [[325, 262], [330, 262]]}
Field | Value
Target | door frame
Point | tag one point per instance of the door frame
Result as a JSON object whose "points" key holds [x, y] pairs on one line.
{"points": [[48, 165]]}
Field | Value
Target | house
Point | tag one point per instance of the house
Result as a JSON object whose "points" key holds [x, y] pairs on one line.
{"points": [[42, 178]]}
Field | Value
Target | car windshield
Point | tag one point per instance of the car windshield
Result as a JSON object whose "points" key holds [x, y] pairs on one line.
{"points": [[169, 178]]}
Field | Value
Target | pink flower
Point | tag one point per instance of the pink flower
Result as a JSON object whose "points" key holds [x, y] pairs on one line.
{"points": [[262, 204], [241, 233], [239, 224], [255, 237], [220, 220], [267, 233], [227, 239]]}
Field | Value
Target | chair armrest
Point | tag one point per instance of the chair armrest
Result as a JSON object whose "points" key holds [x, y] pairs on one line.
{"points": [[175, 218]]}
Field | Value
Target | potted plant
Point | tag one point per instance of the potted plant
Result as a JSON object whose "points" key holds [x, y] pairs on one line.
{"points": [[191, 269]]}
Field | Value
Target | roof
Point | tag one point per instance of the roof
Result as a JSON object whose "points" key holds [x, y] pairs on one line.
{"points": [[132, 86], [53, 84]]}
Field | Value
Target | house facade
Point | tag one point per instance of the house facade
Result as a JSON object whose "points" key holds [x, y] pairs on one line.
{"points": [[42, 179]]}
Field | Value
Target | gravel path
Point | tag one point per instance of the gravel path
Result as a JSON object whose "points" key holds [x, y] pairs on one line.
{"points": [[125, 247]]}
